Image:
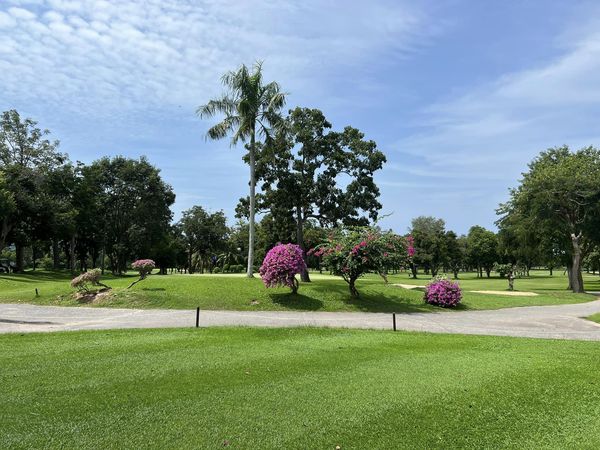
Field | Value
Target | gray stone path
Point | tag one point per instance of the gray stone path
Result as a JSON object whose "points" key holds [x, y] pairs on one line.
{"points": [[554, 322]]}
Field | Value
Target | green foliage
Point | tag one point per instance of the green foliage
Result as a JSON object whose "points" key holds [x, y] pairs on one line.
{"points": [[558, 198], [482, 248], [352, 252], [430, 243]]}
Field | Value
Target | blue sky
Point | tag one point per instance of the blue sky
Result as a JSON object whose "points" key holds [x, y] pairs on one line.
{"points": [[460, 95]]}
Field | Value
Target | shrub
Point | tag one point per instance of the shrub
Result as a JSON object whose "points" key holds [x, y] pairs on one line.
{"points": [[442, 292], [89, 278], [352, 252], [281, 265], [216, 270], [144, 268]]}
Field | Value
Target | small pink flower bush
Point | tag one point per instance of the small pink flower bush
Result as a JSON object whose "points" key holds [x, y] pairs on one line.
{"points": [[280, 266], [444, 293], [144, 268]]}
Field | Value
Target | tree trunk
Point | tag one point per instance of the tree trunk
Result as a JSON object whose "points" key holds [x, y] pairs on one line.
{"points": [[455, 274], [300, 241], [55, 254], [102, 260], [352, 286], [250, 270], [413, 269], [576, 279], [20, 262], [72, 254], [550, 270]]}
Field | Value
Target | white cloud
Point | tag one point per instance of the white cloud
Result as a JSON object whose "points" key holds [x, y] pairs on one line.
{"points": [[142, 54], [495, 129]]}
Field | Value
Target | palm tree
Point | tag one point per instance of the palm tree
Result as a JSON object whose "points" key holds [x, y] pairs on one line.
{"points": [[250, 109]]}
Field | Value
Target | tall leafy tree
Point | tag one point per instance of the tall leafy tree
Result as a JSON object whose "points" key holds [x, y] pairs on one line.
{"points": [[132, 206], [205, 234], [455, 249], [26, 158], [482, 249], [561, 192], [311, 173], [429, 236], [251, 109]]}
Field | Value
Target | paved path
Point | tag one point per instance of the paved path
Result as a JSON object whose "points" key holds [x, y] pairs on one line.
{"points": [[555, 322]]}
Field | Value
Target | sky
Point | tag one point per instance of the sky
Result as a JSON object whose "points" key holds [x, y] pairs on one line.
{"points": [[460, 95]]}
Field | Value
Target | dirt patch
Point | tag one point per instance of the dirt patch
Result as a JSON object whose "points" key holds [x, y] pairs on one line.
{"points": [[509, 293], [92, 296]]}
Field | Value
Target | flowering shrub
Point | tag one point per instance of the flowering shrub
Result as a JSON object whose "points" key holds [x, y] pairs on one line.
{"points": [[89, 278], [280, 266], [144, 268], [352, 252], [443, 292]]}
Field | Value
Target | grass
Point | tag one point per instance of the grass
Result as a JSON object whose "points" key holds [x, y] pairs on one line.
{"points": [[594, 318], [296, 388], [235, 292]]}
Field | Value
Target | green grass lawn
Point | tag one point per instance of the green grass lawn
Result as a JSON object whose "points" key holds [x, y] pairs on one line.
{"points": [[296, 388], [594, 318], [236, 292]]}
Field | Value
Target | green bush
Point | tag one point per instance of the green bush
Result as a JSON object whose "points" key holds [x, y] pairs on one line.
{"points": [[217, 270]]}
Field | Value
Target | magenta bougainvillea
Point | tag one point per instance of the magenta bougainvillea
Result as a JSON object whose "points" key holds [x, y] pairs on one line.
{"points": [[281, 265], [444, 293]]}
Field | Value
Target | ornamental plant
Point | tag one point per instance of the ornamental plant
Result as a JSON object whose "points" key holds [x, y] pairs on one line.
{"points": [[89, 278], [443, 292], [144, 268], [352, 252], [281, 265]]}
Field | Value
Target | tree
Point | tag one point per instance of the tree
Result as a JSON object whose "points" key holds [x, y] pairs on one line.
{"points": [[251, 109], [26, 158], [429, 237], [132, 207], [312, 173], [204, 234], [482, 249], [561, 192], [352, 252], [455, 252]]}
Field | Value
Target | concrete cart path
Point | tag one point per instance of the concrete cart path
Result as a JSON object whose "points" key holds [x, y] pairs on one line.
{"points": [[555, 322]]}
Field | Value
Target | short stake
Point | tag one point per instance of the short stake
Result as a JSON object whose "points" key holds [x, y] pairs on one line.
{"points": [[394, 319], [36, 293], [197, 317]]}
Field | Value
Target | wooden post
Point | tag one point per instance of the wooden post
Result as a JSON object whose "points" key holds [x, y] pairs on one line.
{"points": [[197, 317], [394, 319]]}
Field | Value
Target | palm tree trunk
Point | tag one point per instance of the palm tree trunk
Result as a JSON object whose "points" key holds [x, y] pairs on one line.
{"points": [[300, 241], [249, 272]]}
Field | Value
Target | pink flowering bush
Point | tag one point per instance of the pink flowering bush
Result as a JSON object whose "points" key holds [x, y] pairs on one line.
{"points": [[444, 293], [352, 252], [281, 265], [144, 268]]}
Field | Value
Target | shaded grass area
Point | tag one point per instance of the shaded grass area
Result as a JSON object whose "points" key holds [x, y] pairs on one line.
{"points": [[236, 292], [296, 388]]}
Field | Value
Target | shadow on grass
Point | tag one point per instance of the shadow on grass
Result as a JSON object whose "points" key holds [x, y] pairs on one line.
{"points": [[369, 301], [297, 301], [153, 289]]}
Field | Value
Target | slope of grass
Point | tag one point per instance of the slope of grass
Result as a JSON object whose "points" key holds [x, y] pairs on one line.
{"points": [[594, 318], [296, 388], [235, 292]]}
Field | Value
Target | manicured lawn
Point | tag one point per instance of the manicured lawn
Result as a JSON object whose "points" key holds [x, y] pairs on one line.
{"points": [[296, 388], [594, 318], [235, 292]]}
